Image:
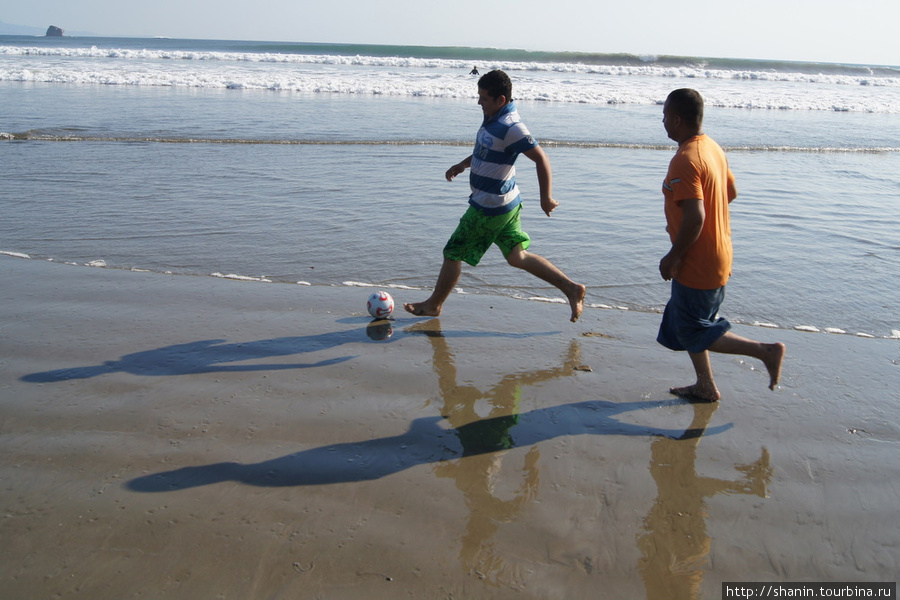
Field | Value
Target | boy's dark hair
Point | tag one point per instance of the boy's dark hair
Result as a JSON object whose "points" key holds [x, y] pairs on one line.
{"points": [[687, 104], [496, 83]]}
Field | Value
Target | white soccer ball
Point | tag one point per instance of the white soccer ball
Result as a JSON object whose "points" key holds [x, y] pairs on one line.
{"points": [[380, 305]]}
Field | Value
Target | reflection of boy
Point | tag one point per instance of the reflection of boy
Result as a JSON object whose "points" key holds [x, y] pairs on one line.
{"points": [[698, 188], [495, 204]]}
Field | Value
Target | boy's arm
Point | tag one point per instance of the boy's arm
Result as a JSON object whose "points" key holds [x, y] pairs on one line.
{"points": [[458, 168], [545, 178]]}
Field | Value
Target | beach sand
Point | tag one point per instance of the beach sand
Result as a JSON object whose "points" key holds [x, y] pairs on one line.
{"points": [[191, 437]]}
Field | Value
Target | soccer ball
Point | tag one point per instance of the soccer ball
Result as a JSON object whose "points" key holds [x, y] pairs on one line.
{"points": [[380, 305]]}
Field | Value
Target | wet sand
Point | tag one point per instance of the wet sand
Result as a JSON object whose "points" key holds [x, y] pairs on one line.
{"points": [[190, 437]]}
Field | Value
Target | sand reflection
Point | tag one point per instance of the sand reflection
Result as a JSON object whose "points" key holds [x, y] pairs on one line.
{"points": [[674, 543], [484, 452]]}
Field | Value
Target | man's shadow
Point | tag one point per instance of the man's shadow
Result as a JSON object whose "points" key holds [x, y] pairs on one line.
{"points": [[425, 442], [217, 356], [429, 440]]}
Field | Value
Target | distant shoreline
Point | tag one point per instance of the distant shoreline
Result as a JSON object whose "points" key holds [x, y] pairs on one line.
{"points": [[484, 53]]}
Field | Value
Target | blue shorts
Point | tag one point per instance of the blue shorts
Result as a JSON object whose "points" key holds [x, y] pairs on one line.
{"points": [[691, 321]]}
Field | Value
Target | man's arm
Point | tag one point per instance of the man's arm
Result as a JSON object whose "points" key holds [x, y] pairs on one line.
{"points": [[545, 178], [693, 216], [458, 168]]}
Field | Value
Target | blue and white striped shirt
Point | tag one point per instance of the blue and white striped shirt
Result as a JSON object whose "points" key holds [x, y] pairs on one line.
{"points": [[492, 175]]}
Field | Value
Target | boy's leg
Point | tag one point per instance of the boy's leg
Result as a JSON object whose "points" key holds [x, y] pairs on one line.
{"points": [[447, 280], [542, 268]]}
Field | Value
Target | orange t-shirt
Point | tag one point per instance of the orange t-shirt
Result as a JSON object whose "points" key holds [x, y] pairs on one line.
{"points": [[699, 170]]}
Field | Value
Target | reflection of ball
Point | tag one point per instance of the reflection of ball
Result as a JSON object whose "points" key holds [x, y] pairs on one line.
{"points": [[379, 330], [380, 305]]}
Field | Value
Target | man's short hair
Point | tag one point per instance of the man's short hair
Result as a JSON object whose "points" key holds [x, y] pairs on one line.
{"points": [[687, 104], [496, 83]]}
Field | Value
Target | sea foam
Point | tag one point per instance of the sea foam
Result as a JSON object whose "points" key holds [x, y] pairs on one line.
{"points": [[445, 77]]}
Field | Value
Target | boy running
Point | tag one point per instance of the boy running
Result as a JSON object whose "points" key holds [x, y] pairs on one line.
{"points": [[493, 216]]}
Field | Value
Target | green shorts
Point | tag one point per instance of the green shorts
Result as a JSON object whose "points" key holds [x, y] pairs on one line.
{"points": [[476, 232]]}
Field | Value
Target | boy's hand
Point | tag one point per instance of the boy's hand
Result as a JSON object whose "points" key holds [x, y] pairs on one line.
{"points": [[548, 204], [454, 171]]}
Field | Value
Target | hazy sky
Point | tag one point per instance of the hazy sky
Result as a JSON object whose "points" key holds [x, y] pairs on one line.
{"points": [[861, 31]]}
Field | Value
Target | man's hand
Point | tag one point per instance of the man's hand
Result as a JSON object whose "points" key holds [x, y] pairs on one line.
{"points": [[692, 220], [668, 266]]}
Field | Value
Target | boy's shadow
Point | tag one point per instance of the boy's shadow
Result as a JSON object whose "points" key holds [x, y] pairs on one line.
{"points": [[216, 356], [206, 356]]}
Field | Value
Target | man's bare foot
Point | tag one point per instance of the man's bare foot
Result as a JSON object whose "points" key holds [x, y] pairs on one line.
{"points": [[773, 359], [696, 393], [422, 309], [576, 301]]}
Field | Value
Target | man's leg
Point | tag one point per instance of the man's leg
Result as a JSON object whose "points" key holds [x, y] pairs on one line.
{"points": [[771, 355], [447, 280], [705, 389], [542, 268]]}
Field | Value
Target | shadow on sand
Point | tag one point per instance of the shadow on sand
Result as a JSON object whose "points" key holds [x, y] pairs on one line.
{"points": [[458, 433], [217, 356], [425, 442]]}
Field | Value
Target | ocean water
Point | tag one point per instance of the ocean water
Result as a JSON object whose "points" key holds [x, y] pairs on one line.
{"points": [[323, 165]]}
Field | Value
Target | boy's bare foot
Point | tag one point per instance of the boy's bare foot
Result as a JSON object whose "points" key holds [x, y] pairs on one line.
{"points": [[696, 393], [773, 360], [576, 301], [422, 309]]}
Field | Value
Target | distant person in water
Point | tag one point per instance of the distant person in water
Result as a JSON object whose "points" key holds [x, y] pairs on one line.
{"points": [[495, 203], [474, 70], [698, 188]]}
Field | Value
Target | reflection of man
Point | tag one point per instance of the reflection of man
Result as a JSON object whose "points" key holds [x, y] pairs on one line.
{"points": [[698, 188], [675, 545], [483, 439]]}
